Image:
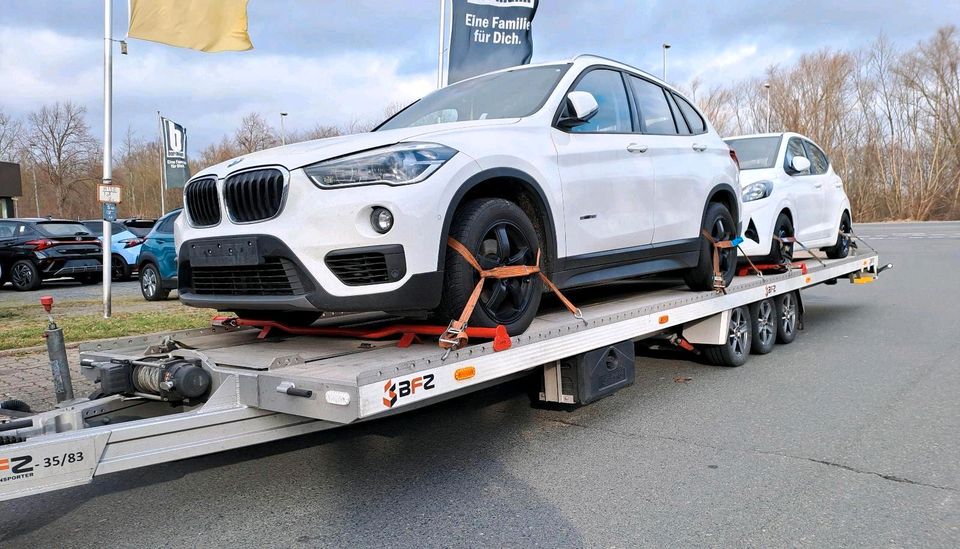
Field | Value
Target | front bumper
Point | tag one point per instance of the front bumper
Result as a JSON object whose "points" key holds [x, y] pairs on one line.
{"points": [[758, 216], [270, 276]]}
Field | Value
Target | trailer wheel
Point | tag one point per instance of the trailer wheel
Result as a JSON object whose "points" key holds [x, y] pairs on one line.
{"points": [[788, 317], [739, 335], [763, 323]]}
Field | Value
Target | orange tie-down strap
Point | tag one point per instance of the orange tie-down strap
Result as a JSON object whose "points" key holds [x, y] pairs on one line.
{"points": [[456, 336], [718, 283]]}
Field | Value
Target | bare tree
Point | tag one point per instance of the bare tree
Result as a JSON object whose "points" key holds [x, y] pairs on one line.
{"points": [[60, 141], [10, 131], [254, 134]]}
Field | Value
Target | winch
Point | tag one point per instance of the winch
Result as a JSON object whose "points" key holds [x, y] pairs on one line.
{"points": [[173, 380]]}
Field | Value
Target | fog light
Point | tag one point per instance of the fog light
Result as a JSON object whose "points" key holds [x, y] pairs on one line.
{"points": [[381, 219]]}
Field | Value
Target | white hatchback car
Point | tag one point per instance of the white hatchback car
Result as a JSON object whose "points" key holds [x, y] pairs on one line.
{"points": [[605, 169], [790, 190]]}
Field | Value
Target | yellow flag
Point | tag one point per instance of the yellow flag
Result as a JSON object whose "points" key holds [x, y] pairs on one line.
{"points": [[205, 25]]}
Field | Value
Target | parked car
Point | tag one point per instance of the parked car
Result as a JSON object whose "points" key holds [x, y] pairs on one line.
{"points": [[124, 247], [158, 260], [138, 226], [790, 190], [33, 250], [606, 170]]}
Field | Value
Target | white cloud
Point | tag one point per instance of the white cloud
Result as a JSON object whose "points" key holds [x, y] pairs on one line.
{"points": [[208, 93]]}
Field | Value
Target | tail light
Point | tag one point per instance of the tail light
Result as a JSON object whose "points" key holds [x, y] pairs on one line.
{"points": [[733, 156], [41, 244], [131, 242]]}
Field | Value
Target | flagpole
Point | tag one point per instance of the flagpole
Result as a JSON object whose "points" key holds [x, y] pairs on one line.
{"points": [[107, 146], [163, 184], [443, 21]]}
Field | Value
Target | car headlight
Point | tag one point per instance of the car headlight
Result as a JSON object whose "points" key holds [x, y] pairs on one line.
{"points": [[756, 191], [400, 164]]}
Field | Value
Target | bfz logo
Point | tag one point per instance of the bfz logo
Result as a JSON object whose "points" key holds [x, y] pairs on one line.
{"points": [[174, 141], [771, 288], [405, 387], [16, 465]]}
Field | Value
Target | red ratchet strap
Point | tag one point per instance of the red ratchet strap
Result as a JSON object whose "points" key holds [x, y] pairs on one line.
{"points": [[456, 336]]}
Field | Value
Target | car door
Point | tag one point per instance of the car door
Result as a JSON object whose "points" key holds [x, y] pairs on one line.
{"points": [[831, 190], [607, 180], [679, 162], [807, 193], [7, 249]]}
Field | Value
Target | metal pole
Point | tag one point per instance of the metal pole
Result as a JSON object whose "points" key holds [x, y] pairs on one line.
{"points": [[163, 171], [767, 85], [283, 131], [107, 144], [443, 17], [665, 48], [36, 192]]}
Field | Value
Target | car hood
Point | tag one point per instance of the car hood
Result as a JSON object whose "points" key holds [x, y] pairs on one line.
{"points": [[309, 152], [752, 176]]}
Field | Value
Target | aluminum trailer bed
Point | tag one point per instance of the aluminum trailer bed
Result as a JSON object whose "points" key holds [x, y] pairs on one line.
{"points": [[259, 386]]}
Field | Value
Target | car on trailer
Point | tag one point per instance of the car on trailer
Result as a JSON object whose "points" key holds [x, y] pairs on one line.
{"points": [[791, 193], [589, 169]]}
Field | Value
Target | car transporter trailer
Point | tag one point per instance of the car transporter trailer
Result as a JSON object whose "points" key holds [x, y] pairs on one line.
{"points": [[173, 396]]}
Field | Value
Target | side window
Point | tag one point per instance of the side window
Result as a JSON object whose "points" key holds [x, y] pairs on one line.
{"points": [[794, 148], [654, 109], [682, 127], [7, 229], [613, 115], [694, 120], [818, 160], [166, 226]]}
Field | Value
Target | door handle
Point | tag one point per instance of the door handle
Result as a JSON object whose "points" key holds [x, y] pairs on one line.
{"points": [[698, 147], [817, 185], [838, 186], [636, 148]]}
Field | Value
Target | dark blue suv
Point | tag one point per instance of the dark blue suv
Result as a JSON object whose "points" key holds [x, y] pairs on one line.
{"points": [[158, 260]]}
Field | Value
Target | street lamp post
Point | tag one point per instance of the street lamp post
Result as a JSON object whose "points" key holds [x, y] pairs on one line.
{"points": [[665, 48], [283, 132], [767, 86]]}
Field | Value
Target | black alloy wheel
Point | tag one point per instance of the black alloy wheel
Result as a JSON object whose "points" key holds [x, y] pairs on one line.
{"points": [[782, 252], [842, 248], [119, 270], [24, 275], [720, 225]]}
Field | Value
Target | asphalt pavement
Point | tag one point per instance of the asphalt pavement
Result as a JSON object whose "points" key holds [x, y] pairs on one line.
{"points": [[67, 289], [850, 436]]}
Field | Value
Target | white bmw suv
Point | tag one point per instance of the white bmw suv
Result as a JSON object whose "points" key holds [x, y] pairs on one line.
{"points": [[606, 170]]}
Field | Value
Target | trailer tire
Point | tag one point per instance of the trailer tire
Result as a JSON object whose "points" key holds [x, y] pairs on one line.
{"points": [[788, 317], [16, 405], [763, 326], [739, 336]]}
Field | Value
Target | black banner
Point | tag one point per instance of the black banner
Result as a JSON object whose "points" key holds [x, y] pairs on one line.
{"points": [[176, 170], [487, 35]]}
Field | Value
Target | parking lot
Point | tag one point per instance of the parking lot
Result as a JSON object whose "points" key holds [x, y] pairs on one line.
{"points": [[846, 437]]}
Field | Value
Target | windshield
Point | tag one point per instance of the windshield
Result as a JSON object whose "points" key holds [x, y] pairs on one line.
{"points": [[756, 153], [61, 228], [512, 94]]}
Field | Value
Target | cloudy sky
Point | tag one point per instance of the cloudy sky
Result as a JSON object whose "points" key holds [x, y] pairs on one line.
{"points": [[329, 62]]}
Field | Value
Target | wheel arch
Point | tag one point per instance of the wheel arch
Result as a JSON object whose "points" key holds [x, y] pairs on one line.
{"points": [[511, 184], [724, 194]]}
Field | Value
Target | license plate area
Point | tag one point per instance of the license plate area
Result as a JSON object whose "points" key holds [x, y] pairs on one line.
{"points": [[225, 252]]}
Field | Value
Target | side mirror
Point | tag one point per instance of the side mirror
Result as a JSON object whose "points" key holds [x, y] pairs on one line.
{"points": [[799, 164], [581, 106]]}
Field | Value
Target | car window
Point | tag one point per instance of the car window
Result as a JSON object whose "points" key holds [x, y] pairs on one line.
{"points": [[682, 127], [794, 148], [166, 226], [7, 229], [756, 153], [694, 120], [613, 114], [95, 227], [62, 228], [654, 110], [818, 160]]}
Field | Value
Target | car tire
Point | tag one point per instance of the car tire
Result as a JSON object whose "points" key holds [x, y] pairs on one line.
{"points": [[498, 233], [788, 317], [290, 318], [781, 253], [25, 275], [763, 326], [720, 224], [739, 341], [119, 268], [151, 285], [842, 248]]}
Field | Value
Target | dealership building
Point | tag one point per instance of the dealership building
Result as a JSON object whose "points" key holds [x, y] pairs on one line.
{"points": [[10, 189]]}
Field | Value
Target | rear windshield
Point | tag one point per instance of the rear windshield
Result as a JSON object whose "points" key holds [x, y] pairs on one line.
{"points": [[756, 153], [62, 228], [140, 227]]}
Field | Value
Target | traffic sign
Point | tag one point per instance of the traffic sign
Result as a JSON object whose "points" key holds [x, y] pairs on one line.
{"points": [[110, 194], [109, 211]]}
